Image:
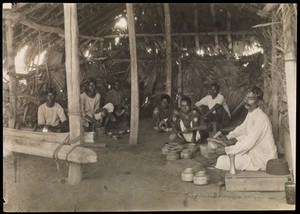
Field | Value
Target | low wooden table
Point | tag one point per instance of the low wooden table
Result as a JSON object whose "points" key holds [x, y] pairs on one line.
{"points": [[255, 181]]}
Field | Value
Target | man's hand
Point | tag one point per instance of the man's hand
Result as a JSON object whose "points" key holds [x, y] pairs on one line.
{"points": [[219, 151], [100, 110]]}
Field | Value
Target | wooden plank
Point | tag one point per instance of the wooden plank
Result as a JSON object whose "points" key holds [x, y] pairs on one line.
{"points": [[255, 181], [36, 136], [79, 155], [134, 119], [168, 49], [290, 75], [11, 69]]}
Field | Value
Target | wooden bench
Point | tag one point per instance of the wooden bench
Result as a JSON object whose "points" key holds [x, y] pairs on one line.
{"points": [[46, 145]]}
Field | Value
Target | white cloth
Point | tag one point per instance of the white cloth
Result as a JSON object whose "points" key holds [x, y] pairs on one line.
{"points": [[188, 136], [51, 116], [255, 145], [210, 102], [109, 107], [89, 106]]}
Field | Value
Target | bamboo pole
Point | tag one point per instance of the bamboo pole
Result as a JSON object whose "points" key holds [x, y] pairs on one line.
{"points": [[275, 113], [213, 13], [179, 79], [73, 83], [290, 74], [228, 30], [168, 49], [12, 71], [196, 26], [134, 119]]}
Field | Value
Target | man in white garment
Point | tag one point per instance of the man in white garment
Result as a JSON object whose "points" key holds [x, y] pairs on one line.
{"points": [[255, 143], [90, 106], [51, 116], [218, 110]]}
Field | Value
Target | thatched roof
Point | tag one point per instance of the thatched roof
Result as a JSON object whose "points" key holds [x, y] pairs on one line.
{"points": [[44, 22], [40, 27]]}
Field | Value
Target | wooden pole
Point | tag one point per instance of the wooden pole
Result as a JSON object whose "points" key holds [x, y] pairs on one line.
{"points": [[134, 119], [168, 49], [290, 74], [213, 13], [196, 26], [228, 30], [12, 72], [275, 113], [179, 79], [73, 83]]}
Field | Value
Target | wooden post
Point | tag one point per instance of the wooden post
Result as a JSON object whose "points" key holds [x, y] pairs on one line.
{"points": [[73, 83], [228, 30], [275, 113], [213, 13], [168, 49], [196, 26], [12, 73], [179, 79], [135, 107], [290, 74]]}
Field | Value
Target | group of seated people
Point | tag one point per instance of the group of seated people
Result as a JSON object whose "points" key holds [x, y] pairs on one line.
{"points": [[252, 142], [211, 108], [51, 115]]}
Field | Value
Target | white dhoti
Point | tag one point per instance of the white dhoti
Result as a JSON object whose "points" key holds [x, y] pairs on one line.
{"points": [[242, 162]]}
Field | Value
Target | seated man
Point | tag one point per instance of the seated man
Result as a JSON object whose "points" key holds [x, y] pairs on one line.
{"points": [[121, 108], [255, 143], [90, 105], [185, 123], [162, 114], [218, 110], [51, 116]]}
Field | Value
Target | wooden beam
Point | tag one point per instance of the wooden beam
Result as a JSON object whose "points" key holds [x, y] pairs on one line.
{"points": [[134, 119], [48, 12], [35, 7], [18, 6], [11, 69], [290, 75], [51, 137], [78, 156], [209, 33], [73, 83], [168, 49]]}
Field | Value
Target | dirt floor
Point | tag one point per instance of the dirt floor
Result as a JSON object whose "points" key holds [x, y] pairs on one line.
{"points": [[126, 177]]}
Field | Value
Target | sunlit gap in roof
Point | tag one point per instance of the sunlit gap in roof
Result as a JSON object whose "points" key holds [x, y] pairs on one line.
{"points": [[20, 66], [121, 24]]}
